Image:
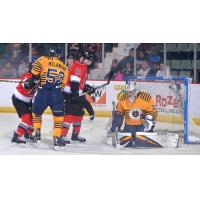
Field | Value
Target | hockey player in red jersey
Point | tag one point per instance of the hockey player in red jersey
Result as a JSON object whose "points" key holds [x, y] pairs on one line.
{"points": [[74, 115], [22, 101], [74, 102]]}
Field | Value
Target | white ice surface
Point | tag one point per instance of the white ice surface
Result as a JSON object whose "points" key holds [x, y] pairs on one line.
{"points": [[94, 132]]}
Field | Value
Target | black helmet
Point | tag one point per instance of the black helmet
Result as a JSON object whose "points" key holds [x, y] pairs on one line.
{"points": [[55, 52], [87, 55], [30, 66]]}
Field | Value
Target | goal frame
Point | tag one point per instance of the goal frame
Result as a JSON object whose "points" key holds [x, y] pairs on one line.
{"points": [[186, 81]]}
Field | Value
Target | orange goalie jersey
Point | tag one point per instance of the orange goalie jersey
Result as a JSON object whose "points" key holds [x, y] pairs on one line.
{"points": [[53, 72], [135, 111]]}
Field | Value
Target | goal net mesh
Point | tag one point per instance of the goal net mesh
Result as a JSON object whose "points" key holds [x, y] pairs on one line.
{"points": [[172, 99]]}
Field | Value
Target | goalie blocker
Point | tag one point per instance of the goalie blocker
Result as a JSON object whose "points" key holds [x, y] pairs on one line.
{"points": [[145, 140]]}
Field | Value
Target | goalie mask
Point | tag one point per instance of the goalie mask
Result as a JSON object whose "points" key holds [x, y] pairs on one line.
{"points": [[131, 91]]}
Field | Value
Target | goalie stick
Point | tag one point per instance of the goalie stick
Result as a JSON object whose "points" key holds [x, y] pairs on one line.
{"points": [[109, 124]]}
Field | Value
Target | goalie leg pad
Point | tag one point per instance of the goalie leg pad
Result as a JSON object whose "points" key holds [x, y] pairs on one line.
{"points": [[153, 139], [122, 140], [117, 121], [133, 129]]}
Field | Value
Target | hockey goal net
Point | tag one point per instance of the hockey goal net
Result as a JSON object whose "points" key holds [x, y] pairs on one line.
{"points": [[172, 99]]}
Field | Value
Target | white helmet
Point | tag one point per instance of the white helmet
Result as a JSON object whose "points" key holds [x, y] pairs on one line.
{"points": [[132, 90], [131, 86]]}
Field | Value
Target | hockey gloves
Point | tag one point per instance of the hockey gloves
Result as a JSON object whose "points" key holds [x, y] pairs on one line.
{"points": [[88, 89], [149, 123]]}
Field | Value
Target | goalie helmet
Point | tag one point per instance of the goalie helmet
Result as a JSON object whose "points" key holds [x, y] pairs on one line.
{"points": [[132, 90]]}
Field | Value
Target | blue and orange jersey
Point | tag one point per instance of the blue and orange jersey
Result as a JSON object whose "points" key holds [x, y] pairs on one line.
{"points": [[135, 111], [53, 72]]}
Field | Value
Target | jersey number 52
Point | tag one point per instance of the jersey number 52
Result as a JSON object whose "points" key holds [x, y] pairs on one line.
{"points": [[54, 77]]}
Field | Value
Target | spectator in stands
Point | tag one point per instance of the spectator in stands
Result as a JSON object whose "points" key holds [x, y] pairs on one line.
{"points": [[34, 53], [127, 59], [37, 51], [74, 50], [23, 66], [141, 55], [13, 52], [118, 76], [154, 57], [25, 50], [8, 71], [145, 68], [153, 69], [163, 71], [91, 49], [112, 69], [70, 60], [128, 70]]}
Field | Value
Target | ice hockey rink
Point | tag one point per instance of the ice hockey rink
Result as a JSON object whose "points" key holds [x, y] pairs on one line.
{"points": [[93, 131]]}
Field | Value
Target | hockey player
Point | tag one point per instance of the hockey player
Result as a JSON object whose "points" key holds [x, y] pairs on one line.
{"points": [[72, 95], [74, 115], [52, 74], [22, 101], [137, 110]]}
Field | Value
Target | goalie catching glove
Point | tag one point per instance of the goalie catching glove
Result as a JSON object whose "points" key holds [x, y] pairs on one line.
{"points": [[149, 123]]}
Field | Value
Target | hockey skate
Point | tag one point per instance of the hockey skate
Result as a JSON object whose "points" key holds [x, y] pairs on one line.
{"points": [[59, 143], [76, 137], [37, 137], [17, 140], [65, 139], [29, 137]]}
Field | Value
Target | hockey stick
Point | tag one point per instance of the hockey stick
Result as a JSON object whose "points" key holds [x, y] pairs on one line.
{"points": [[111, 117], [19, 81], [101, 86], [11, 81]]}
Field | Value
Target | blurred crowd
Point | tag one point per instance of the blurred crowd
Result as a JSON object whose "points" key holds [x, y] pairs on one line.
{"points": [[148, 63], [14, 58]]}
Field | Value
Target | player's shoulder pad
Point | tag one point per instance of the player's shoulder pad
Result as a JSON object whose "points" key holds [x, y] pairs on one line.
{"points": [[41, 58], [145, 96]]}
